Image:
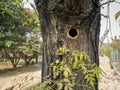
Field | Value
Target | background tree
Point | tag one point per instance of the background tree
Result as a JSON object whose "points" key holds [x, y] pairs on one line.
{"points": [[10, 25], [115, 44], [73, 25], [15, 23], [30, 48]]}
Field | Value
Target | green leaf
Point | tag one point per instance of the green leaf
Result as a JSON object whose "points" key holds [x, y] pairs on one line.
{"points": [[68, 70], [117, 15], [2, 35], [75, 65], [59, 86], [8, 43], [66, 88], [65, 73], [57, 61], [70, 88], [63, 62], [81, 56], [66, 80], [84, 69], [61, 51], [90, 80]]}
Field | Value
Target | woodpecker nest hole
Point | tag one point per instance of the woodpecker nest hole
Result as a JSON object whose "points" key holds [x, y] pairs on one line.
{"points": [[73, 33]]}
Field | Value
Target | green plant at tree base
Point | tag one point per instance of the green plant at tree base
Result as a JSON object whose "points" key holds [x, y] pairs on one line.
{"points": [[65, 69]]}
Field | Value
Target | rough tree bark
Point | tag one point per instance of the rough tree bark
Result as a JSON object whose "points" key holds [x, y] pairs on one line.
{"points": [[72, 24]]}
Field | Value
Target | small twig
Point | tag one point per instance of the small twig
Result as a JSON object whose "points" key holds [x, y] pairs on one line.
{"points": [[107, 2], [117, 2], [105, 16]]}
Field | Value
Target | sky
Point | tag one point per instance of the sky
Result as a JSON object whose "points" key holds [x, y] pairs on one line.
{"points": [[26, 4], [115, 28]]}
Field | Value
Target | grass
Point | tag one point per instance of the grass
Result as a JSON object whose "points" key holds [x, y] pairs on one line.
{"points": [[21, 62], [5, 63]]}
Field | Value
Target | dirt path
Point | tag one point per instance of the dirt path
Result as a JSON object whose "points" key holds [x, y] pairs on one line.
{"points": [[20, 78], [110, 81], [24, 77], [4, 80]]}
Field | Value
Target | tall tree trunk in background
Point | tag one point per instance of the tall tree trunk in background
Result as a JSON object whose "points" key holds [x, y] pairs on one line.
{"points": [[73, 24]]}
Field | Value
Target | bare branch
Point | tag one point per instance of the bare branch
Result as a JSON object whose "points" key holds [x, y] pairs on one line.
{"points": [[117, 2], [107, 2]]}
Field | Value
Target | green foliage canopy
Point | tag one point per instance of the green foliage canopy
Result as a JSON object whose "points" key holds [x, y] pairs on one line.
{"points": [[15, 23]]}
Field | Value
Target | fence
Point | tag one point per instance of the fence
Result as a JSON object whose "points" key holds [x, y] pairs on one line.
{"points": [[115, 60]]}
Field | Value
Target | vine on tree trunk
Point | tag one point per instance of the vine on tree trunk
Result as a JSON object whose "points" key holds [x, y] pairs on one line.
{"points": [[65, 69]]}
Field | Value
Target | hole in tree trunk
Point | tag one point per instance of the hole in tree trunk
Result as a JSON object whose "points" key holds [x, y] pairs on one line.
{"points": [[73, 33]]}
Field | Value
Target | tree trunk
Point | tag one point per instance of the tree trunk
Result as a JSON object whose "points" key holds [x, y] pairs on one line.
{"points": [[14, 59], [36, 58], [72, 24]]}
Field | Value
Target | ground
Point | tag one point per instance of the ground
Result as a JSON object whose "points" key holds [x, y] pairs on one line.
{"points": [[22, 78], [109, 81]]}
